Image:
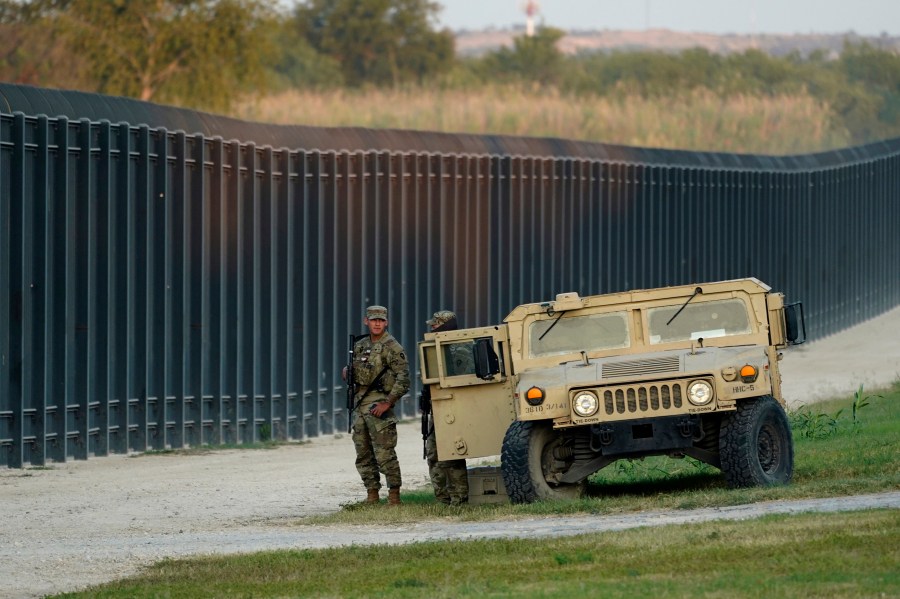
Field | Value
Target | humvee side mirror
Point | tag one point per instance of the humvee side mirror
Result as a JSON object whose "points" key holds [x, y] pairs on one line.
{"points": [[794, 323], [487, 364]]}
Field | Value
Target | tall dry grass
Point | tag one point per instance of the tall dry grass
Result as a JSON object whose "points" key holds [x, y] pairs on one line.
{"points": [[700, 120]]}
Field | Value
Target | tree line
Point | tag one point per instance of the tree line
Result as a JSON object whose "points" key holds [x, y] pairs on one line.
{"points": [[206, 54]]}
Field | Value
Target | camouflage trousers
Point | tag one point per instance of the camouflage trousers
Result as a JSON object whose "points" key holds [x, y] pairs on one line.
{"points": [[449, 479], [375, 440]]}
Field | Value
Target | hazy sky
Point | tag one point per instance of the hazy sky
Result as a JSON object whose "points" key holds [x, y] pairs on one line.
{"points": [[865, 17]]}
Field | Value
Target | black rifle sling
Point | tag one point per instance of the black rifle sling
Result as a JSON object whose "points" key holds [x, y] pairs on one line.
{"points": [[370, 387]]}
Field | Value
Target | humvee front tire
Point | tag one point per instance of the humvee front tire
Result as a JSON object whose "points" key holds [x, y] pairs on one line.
{"points": [[755, 444], [527, 459]]}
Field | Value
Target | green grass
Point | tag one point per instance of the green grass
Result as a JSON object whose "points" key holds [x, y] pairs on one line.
{"points": [[852, 554]]}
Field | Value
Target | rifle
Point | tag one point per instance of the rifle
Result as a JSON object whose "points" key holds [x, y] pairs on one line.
{"points": [[425, 408], [351, 385]]}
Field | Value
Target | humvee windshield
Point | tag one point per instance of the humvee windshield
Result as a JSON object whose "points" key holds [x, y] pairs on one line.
{"points": [[571, 334], [698, 320]]}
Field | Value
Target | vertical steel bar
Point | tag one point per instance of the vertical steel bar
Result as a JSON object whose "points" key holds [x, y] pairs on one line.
{"points": [[174, 248], [99, 306], [263, 316], [310, 182], [279, 348], [40, 282], [408, 332], [29, 191], [77, 284], [214, 348], [327, 403], [193, 279], [15, 312], [139, 273], [158, 293], [246, 329], [231, 296], [9, 414], [294, 350], [117, 284]]}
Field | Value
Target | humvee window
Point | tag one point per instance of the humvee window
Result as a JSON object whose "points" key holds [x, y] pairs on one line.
{"points": [[579, 333], [458, 358], [429, 363], [700, 320]]}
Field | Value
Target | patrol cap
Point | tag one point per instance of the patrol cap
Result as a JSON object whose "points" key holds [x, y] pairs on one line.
{"points": [[376, 312], [440, 317]]}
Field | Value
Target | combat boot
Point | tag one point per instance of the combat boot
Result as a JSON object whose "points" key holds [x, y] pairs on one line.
{"points": [[394, 496], [372, 496]]}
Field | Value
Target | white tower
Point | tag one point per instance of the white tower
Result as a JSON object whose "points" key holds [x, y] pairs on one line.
{"points": [[531, 9]]}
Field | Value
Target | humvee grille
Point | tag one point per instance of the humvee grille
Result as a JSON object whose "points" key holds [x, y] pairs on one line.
{"points": [[641, 367], [649, 398]]}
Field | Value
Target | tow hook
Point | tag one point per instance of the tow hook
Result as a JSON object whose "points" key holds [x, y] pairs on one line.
{"points": [[686, 428], [605, 435]]}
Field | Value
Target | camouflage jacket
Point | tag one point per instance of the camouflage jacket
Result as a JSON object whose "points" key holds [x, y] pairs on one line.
{"points": [[370, 358]]}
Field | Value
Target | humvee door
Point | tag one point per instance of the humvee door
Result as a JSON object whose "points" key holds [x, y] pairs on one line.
{"points": [[470, 413]]}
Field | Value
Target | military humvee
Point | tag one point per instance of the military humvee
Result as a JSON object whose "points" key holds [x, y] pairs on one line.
{"points": [[563, 388]]}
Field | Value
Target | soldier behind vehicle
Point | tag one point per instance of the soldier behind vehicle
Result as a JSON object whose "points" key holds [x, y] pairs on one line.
{"points": [[449, 478], [381, 373]]}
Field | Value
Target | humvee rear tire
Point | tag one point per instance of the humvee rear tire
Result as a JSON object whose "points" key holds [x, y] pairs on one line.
{"points": [[527, 458], [755, 444]]}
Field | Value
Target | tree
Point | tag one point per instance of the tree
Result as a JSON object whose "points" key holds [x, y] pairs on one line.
{"points": [[299, 65], [875, 72], [194, 52], [32, 54], [532, 58], [381, 42], [755, 72]]}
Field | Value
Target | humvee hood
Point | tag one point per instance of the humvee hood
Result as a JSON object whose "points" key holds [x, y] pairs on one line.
{"points": [[601, 371]]}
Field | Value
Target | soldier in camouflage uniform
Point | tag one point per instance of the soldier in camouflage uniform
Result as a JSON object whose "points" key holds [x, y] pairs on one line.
{"points": [[374, 423], [449, 478]]}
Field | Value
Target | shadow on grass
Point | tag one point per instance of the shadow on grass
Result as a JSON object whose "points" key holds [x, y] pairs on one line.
{"points": [[597, 487]]}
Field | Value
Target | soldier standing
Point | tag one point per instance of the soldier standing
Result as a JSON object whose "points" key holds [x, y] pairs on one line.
{"points": [[449, 478], [381, 371]]}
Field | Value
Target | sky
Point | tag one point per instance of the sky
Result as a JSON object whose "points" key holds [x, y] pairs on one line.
{"points": [[865, 17]]}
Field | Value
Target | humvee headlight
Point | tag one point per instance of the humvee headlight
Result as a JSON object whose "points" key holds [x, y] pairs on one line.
{"points": [[749, 373], [700, 393], [534, 396], [585, 403]]}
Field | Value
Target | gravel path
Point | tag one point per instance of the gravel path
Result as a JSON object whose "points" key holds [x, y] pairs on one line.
{"points": [[83, 523]]}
